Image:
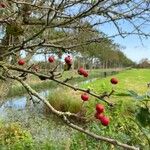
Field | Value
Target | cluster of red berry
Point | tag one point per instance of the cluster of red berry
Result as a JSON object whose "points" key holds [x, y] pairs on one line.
{"points": [[51, 59], [100, 115], [99, 107]]}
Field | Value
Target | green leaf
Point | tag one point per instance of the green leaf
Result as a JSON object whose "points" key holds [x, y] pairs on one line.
{"points": [[132, 93]]}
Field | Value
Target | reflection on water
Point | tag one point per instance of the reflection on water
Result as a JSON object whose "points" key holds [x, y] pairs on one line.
{"points": [[32, 117], [20, 102]]}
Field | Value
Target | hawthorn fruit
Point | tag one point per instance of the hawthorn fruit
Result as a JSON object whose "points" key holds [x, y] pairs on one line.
{"points": [[51, 59], [68, 60], [21, 62], [105, 121], [114, 80], [100, 108], [82, 71], [85, 74], [100, 116], [85, 97]]}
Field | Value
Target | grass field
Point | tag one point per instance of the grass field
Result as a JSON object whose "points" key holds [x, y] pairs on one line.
{"points": [[135, 79]]}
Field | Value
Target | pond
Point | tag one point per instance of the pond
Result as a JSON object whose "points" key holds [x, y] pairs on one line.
{"points": [[32, 116]]}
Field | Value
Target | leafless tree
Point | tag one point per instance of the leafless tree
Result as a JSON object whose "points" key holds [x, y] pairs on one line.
{"points": [[39, 26]]}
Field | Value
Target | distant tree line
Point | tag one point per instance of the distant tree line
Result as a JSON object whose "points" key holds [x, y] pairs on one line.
{"points": [[144, 63], [105, 54]]}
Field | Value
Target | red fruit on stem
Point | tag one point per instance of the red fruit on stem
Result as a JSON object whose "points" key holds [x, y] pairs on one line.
{"points": [[114, 80], [2, 5], [105, 121], [51, 59], [21, 62], [81, 71], [100, 116], [100, 108], [68, 60], [85, 74], [85, 97]]}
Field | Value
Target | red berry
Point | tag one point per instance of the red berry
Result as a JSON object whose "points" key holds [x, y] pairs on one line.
{"points": [[114, 81], [100, 116], [85, 97], [85, 74], [68, 60], [51, 59], [2, 5], [100, 108], [81, 71], [105, 121], [21, 62]]}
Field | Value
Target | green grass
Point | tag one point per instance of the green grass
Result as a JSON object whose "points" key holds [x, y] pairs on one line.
{"points": [[65, 100], [135, 79]]}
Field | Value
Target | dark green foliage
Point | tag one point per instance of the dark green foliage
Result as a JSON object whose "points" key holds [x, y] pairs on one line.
{"points": [[143, 116], [14, 29]]}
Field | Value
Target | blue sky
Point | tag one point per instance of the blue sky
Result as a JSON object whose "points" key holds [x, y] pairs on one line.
{"points": [[135, 49]]}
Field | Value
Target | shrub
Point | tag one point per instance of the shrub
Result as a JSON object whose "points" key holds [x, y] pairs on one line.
{"points": [[13, 137], [66, 100]]}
